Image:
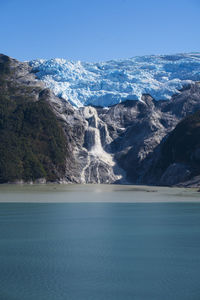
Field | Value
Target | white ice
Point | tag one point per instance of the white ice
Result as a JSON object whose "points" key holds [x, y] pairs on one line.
{"points": [[108, 83]]}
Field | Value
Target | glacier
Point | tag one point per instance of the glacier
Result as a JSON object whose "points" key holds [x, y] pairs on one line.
{"points": [[108, 83]]}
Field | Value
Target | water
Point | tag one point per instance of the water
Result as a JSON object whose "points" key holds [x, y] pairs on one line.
{"points": [[131, 243]]}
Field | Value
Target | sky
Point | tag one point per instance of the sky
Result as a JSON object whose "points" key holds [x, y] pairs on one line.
{"points": [[98, 30]]}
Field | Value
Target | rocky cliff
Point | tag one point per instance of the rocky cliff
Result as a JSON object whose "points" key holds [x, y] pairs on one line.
{"points": [[124, 143]]}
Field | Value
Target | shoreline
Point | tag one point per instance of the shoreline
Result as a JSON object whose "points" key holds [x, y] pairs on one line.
{"points": [[95, 193], [65, 183]]}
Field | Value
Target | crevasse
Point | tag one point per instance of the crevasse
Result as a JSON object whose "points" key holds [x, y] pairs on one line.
{"points": [[108, 83]]}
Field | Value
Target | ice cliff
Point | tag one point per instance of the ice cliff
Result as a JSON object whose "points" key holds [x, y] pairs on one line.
{"points": [[108, 83]]}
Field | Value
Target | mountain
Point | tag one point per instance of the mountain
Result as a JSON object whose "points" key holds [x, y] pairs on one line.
{"points": [[44, 137], [33, 144], [108, 83]]}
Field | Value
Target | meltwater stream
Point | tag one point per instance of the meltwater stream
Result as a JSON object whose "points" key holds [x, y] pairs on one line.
{"points": [[100, 164], [99, 243]]}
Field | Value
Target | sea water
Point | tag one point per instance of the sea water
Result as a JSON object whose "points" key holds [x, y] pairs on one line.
{"points": [[99, 243]]}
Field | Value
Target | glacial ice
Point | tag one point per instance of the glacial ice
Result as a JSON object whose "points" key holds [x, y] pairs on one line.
{"points": [[108, 83]]}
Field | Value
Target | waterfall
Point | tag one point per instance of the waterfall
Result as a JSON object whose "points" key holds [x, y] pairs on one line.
{"points": [[92, 137], [97, 158]]}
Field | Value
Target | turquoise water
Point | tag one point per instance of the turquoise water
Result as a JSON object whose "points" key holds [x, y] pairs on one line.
{"points": [[99, 251]]}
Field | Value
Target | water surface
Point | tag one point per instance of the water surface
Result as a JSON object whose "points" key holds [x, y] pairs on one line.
{"points": [[125, 245]]}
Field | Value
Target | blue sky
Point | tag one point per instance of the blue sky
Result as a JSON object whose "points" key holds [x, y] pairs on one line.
{"points": [[97, 30]]}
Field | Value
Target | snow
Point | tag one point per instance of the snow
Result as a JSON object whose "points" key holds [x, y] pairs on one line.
{"points": [[108, 83]]}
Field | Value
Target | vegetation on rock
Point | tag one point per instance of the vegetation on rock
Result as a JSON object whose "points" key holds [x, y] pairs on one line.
{"points": [[32, 142]]}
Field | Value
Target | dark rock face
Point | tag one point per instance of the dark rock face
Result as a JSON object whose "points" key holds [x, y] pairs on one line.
{"points": [[174, 174], [125, 143], [178, 160]]}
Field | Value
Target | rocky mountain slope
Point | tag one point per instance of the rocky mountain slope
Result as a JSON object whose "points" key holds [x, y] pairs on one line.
{"points": [[33, 145], [124, 143], [179, 156], [139, 128]]}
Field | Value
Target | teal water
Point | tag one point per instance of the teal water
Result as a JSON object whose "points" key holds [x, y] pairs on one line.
{"points": [[98, 251]]}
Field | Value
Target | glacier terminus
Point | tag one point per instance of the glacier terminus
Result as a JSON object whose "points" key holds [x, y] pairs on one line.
{"points": [[108, 83]]}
